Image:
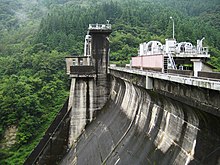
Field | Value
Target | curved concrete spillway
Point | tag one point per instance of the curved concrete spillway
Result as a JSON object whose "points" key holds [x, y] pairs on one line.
{"points": [[137, 126]]}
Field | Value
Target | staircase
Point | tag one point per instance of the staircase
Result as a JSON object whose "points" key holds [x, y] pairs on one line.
{"points": [[171, 61]]}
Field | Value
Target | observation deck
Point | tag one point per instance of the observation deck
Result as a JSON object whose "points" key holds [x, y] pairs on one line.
{"points": [[100, 28]]}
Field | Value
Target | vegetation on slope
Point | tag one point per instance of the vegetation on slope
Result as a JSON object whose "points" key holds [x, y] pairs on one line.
{"points": [[33, 84], [33, 89]]}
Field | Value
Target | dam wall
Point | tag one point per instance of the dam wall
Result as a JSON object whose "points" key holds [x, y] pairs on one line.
{"points": [[140, 126]]}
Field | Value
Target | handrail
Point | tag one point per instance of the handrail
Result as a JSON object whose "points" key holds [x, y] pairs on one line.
{"points": [[209, 83], [100, 26]]}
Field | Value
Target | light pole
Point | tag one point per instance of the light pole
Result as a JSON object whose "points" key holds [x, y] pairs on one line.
{"points": [[173, 25]]}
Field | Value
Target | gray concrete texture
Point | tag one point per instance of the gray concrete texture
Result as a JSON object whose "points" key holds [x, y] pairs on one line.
{"points": [[87, 97], [137, 126]]}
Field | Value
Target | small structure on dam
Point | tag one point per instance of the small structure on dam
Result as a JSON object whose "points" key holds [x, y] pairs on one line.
{"points": [[173, 57]]}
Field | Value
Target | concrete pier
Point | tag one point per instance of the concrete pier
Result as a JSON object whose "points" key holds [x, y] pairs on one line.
{"points": [[90, 80]]}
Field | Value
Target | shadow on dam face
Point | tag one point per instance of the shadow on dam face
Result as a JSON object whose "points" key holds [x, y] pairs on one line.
{"points": [[137, 126]]}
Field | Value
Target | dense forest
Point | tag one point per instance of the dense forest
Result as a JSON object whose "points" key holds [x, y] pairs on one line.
{"points": [[133, 22], [35, 36]]}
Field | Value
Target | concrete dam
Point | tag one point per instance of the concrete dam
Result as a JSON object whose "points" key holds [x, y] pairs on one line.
{"points": [[120, 116], [137, 126]]}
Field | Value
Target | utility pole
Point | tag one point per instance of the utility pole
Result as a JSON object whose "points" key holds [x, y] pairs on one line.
{"points": [[173, 26]]}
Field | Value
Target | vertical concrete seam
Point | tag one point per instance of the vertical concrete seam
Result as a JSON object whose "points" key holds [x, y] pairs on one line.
{"points": [[123, 136]]}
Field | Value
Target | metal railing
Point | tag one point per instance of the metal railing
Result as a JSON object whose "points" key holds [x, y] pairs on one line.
{"points": [[100, 27], [202, 51]]}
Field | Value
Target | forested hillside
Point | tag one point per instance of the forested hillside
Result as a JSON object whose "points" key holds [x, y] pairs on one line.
{"points": [[133, 22], [35, 36]]}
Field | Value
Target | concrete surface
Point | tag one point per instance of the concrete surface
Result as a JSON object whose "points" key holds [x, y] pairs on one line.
{"points": [[139, 126]]}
